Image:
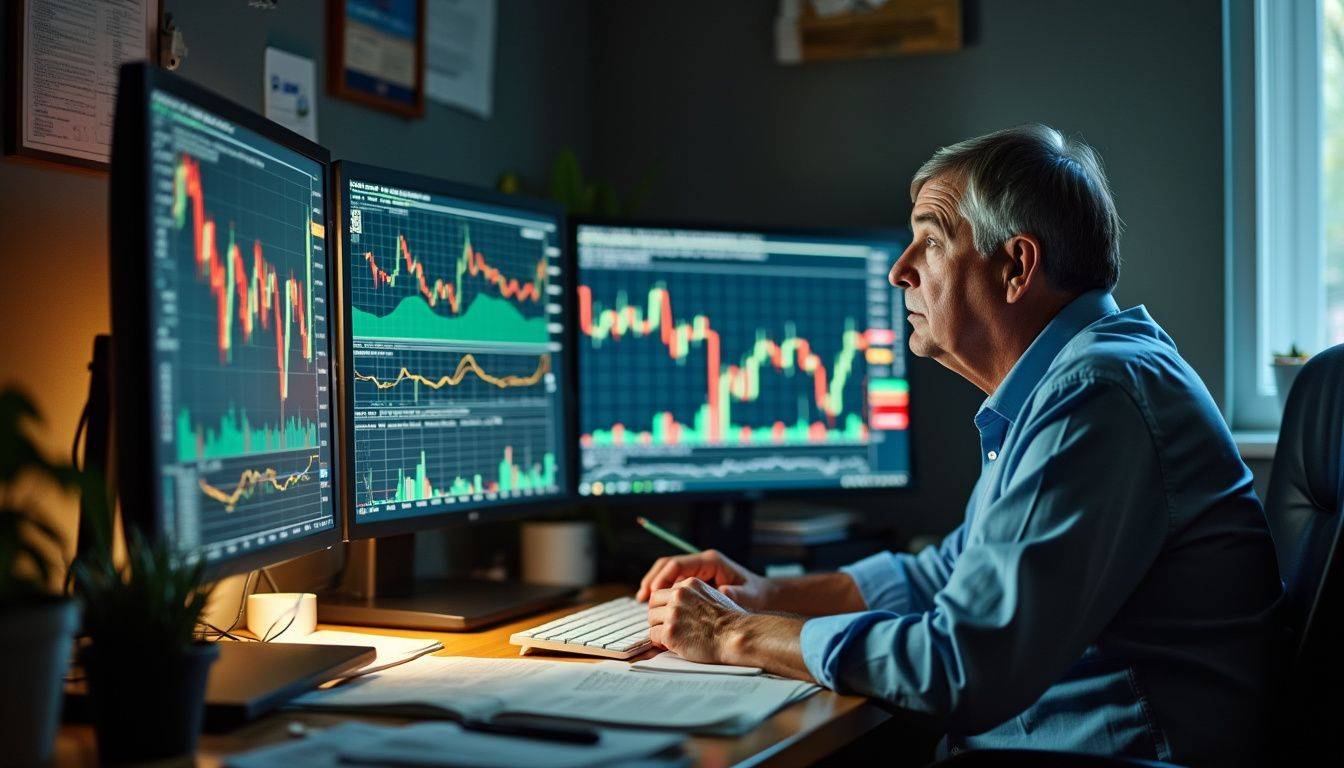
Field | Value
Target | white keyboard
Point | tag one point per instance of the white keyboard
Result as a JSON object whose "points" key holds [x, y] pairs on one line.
{"points": [[618, 629]]}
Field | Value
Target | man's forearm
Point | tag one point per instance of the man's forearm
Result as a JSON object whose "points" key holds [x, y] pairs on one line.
{"points": [[772, 643], [818, 594]]}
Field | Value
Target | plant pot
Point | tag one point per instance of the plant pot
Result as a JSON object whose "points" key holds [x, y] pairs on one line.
{"points": [[147, 706], [1285, 373], [35, 641]]}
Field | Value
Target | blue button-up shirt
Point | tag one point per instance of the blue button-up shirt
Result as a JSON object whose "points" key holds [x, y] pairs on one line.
{"points": [[1113, 586]]}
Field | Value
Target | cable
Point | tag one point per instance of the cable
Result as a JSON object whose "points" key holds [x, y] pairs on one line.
{"points": [[79, 432], [270, 582], [293, 612], [223, 633], [242, 604]]}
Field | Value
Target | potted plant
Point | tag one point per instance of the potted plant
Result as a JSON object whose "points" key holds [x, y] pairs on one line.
{"points": [[1286, 367], [37, 626], [146, 669]]}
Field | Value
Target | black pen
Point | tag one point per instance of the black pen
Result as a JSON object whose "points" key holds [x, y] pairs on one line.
{"points": [[547, 731]]}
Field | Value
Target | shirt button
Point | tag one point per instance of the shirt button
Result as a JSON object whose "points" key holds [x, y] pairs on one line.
{"points": [[993, 455]]}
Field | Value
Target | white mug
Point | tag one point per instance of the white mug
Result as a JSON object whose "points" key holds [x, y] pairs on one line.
{"points": [[559, 553], [282, 615]]}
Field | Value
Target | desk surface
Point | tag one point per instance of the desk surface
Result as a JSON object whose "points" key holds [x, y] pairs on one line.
{"points": [[797, 735]]}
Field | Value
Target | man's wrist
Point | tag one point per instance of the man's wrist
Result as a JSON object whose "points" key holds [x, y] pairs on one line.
{"points": [[753, 639]]}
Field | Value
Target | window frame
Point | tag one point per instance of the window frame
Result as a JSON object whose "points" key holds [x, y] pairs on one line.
{"points": [[1273, 197]]}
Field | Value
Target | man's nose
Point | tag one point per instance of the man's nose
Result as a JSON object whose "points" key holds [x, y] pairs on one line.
{"points": [[901, 275]]}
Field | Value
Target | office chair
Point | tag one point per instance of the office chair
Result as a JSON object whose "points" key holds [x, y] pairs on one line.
{"points": [[1305, 507]]}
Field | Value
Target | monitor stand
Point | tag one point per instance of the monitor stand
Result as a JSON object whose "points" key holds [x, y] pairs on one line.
{"points": [[248, 679], [379, 589]]}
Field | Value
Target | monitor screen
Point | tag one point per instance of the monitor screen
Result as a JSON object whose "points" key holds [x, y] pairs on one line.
{"points": [[742, 361], [238, 363], [455, 371]]}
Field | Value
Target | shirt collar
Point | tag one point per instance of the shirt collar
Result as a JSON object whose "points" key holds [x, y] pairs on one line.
{"points": [[1026, 373]]}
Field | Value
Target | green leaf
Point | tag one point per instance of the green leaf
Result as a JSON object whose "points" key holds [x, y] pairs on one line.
{"points": [[567, 187]]}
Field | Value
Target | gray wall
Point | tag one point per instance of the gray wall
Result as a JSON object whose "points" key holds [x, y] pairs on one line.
{"points": [[541, 99], [53, 220], [692, 88]]}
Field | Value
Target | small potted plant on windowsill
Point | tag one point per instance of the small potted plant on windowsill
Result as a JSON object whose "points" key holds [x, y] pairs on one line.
{"points": [[146, 670], [37, 626], [1286, 367]]}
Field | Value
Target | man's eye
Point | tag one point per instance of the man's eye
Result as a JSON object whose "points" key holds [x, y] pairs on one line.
{"points": [[929, 242]]}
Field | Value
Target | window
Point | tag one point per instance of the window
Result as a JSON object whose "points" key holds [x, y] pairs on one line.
{"points": [[1332, 150], [1284, 108]]}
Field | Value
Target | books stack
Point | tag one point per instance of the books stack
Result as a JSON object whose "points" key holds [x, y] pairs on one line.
{"points": [[790, 540], [802, 526]]}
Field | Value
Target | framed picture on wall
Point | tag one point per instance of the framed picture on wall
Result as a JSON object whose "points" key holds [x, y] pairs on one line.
{"points": [[61, 83], [376, 53]]}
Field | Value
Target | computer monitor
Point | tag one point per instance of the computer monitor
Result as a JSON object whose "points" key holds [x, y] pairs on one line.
{"points": [[222, 380], [739, 362], [220, 310], [453, 379], [453, 372]]}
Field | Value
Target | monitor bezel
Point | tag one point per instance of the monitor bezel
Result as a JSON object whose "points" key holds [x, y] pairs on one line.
{"points": [[130, 225], [808, 493], [493, 511]]}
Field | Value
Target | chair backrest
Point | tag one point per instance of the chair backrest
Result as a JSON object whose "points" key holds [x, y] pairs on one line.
{"points": [[1305, 508]]}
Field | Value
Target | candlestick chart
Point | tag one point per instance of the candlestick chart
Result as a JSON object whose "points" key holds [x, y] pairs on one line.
{"points": [[457, 334], [710, 362], [238, 271]]}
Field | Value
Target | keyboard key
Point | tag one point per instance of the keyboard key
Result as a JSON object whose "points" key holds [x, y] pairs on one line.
{"points": [[615, 628]]}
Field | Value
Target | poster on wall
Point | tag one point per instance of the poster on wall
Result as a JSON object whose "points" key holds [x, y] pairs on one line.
{"points": [[376, 53], [290, 98], [64, 59], [838, 30], [460, 54]]}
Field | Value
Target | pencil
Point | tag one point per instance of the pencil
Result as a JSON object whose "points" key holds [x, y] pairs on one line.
{"points": [[668, 536]]}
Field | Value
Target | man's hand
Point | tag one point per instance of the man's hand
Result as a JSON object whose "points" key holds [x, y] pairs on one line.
{"points": [[694, 620], [699, 623], [740, 585]]}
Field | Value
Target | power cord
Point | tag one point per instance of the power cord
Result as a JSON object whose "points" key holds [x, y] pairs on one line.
{"points": [[270, 581], [242, 604], [214, 633]]}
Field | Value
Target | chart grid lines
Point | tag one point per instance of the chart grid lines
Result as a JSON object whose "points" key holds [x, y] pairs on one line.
{"points": [[456, 370], [240, 355], [704, 365]]}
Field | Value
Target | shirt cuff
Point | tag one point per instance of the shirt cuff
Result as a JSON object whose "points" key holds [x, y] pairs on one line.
{"points": [[881, 582], [825, 640]]}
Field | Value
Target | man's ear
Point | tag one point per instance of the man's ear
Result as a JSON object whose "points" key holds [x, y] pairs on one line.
{"points": [[1023, 268]]}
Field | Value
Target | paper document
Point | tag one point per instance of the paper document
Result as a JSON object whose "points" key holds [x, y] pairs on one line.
{"points": [[446, 744], [667, 661], [460, 54], [318, 750], [607, 692], [73, 50], [391, 650], [291, 96]]}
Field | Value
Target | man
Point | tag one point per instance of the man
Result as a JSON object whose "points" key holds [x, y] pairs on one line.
{"points": [[1113, 585]]}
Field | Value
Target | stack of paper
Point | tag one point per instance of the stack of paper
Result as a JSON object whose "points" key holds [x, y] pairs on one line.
{"points": [[391, 650], [610, 693], [445, 744], [668, 661]]}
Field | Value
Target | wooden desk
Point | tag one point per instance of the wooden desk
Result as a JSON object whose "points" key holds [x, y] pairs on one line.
{"points": [[800, 734]]}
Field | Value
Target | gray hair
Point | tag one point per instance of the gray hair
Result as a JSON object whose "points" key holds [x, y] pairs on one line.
{"points": [[1031, 180]]}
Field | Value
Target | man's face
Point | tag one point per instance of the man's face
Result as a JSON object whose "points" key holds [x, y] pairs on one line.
{"points": [[951, 290]]}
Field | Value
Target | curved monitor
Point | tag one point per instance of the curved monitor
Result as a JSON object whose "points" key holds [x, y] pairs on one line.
{"points": [[222, 375], [453, 374], [739, 361]]}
